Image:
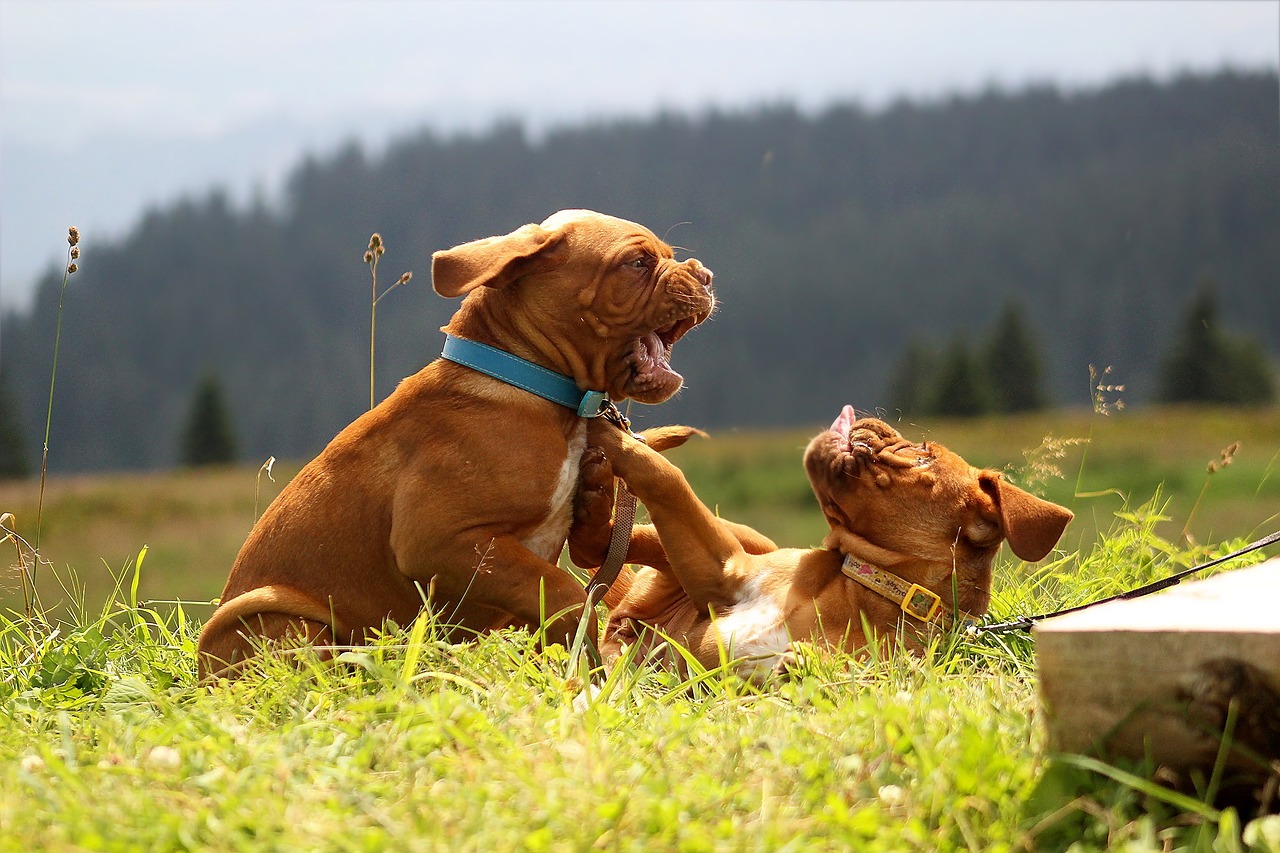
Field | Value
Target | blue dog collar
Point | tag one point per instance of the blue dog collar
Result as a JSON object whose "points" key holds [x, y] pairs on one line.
{"points": [[522, 373]]}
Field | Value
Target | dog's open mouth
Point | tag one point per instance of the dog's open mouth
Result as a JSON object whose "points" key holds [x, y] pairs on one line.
{"points": [[653, 379]]}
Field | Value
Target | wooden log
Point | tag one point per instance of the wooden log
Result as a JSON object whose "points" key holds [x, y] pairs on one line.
{"points": [[1154, 676]]}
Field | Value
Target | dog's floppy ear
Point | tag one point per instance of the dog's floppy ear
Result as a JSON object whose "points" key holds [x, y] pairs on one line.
{"points": [[1032, 526], [493, 261]]}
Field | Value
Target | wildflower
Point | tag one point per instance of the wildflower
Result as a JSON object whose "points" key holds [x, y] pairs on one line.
{"points": [[73, 235], [404, 279], [71, 268], [368, 257], [164, 757], [851, 764], [75, 252], [891, 795]]}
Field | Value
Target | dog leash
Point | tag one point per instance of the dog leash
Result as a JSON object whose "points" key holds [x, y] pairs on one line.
{"points": [[1024, 623], [624, 519], [558, 388]]}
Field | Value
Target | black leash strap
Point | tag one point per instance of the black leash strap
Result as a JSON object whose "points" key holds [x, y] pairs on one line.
{"points": [[1024, 623]]}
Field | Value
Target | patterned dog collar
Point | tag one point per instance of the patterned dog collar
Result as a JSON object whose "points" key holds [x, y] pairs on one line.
{"points": [[911, 598]]}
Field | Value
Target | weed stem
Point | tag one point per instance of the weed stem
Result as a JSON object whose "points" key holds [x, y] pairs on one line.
{"points": [[73, 252]]}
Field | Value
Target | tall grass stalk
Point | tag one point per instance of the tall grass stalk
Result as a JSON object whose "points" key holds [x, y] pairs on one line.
{"points": [[371, 256], [1099, 388], [257, 489], [1224, 459], [73, 253]]}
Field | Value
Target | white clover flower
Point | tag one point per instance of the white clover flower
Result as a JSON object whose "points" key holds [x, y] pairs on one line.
{"points": [[891, 795], [164, 756]]}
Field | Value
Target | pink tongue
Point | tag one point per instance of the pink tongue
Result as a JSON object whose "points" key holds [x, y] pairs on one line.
{"points": [[844, 422], [653, 344]]}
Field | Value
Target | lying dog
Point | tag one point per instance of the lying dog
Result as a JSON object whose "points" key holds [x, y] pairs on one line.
{"points": [[460, 485], [913, 533]]}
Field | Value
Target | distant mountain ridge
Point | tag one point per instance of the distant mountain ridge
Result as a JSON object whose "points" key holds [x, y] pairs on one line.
{"points": [[835, 239]]}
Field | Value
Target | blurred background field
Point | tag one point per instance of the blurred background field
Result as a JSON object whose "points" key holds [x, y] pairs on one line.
{"points": [[194, 521]]}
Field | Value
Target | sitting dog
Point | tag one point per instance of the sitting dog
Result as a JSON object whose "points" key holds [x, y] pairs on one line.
{"points": [[459, 486], [913, 533]]}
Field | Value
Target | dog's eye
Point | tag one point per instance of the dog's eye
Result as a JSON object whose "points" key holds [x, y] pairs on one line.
{"points": [[643, 262]]}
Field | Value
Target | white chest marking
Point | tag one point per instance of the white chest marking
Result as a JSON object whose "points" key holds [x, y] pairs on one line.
{"points": [[754, 627], [549, 537]]}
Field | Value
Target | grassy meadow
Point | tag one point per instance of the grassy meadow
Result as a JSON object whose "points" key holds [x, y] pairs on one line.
{"points": [[415, 744], [193, 522]]}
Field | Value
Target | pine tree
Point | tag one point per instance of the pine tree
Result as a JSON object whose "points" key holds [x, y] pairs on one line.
{"points": [[962, 390], [1210, 365], [1252, 380], [208, 438], [14, 463], [911, 384], [1013, 364]]}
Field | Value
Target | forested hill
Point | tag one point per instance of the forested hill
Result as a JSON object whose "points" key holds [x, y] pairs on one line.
{"points": [[836, 239]]}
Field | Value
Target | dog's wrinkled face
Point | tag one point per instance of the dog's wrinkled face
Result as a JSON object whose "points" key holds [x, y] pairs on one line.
{"points": [[605, 293], [923, 502]]}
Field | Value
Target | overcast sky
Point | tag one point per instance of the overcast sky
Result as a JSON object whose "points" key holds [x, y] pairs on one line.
{"points": [[108, 107]]}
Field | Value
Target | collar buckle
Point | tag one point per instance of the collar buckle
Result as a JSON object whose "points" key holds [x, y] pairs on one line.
{"points": [[912, 599], [594, 404], [918, 597]]}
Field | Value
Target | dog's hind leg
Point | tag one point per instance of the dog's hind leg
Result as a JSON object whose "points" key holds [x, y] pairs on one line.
{"points": [[593, 509], [702, 551]]}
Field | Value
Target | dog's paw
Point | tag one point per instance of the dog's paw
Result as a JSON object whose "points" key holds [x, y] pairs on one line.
{"points": [[595, 473], [796, 662], [592, 510], [787, 665]]}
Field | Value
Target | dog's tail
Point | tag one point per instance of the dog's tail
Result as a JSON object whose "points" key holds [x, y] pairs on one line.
{"points": [[227, 634]]}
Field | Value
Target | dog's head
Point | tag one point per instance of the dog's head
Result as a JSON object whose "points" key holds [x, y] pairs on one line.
{"points": [[603, 299], [895, 502]]}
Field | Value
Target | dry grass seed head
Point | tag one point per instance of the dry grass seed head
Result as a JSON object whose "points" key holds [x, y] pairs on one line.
{"points": [[1100, 388], [1042, 463], [1227, 454]]}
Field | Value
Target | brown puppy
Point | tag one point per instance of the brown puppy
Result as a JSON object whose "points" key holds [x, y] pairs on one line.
{"points": [[914, 531], [459, 486]]}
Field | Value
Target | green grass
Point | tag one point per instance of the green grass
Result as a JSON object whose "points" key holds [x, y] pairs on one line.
{"points": [[107, 743], [413, 743]]}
